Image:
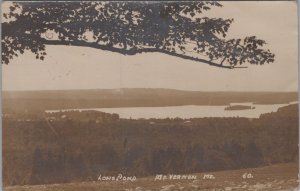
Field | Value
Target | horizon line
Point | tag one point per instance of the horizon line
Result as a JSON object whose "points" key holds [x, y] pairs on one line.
{"points": [[140, 88]]}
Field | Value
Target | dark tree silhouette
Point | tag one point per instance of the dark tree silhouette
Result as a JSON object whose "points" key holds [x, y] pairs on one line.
{"points": [[175, 28], [38, 166]]}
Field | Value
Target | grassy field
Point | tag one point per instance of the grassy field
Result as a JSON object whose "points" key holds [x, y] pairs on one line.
{"points": [[280, 177]]}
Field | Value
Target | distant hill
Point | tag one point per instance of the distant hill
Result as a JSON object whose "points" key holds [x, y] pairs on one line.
{"points": [[136, 97]]}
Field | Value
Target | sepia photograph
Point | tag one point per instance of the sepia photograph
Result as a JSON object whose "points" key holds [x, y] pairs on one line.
{"points": [[149, 95]]}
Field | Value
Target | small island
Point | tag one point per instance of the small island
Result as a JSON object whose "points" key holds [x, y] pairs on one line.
{"points": [[239, 107]]}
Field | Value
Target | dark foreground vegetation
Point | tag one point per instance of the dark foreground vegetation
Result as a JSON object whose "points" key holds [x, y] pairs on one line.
{"points": [[73, 146]]}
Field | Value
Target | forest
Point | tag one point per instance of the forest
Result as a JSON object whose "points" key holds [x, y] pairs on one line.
{"points": [[75, 146]]}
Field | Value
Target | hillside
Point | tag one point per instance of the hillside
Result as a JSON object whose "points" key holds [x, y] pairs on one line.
{"points": [[75, 146]]}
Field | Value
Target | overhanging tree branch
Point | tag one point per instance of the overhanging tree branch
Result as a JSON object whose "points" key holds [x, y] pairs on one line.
{"points": [[132, 51], [130, 28]]}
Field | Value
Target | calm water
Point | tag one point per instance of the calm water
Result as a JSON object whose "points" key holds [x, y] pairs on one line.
{"points": [[187, 111]]}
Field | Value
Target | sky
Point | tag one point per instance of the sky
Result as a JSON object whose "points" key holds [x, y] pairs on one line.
{"points": [[67, 67]]}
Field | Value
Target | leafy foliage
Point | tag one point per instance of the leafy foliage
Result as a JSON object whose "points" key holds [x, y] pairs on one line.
{"points": [[174, 28], [92, 143]]}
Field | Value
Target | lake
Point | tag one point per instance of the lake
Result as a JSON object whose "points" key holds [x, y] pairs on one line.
{"points": [[186, 111]]}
